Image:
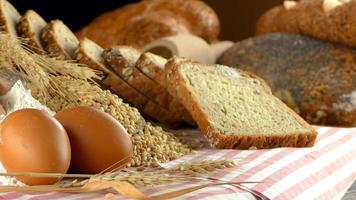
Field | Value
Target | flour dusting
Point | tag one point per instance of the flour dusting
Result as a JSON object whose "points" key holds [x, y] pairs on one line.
{"points": [[19, 98], [348, 102]]}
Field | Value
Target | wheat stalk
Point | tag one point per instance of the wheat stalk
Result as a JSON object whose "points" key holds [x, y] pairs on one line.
{"points": [[65, 67], [156, 176], [19, 60]]}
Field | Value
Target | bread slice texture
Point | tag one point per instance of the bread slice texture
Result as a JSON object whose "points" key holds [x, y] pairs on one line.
{"points": [[30, 27], [235, 109], [89, 53], [123, 60], [58, 40], [153, 66], [9, 17]]}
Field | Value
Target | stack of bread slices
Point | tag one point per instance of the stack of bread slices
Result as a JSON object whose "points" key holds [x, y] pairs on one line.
{"points": [[133, 75], [233, 109]]}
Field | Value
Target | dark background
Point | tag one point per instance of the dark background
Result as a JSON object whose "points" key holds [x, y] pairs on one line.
{"points": [[237, 17]]}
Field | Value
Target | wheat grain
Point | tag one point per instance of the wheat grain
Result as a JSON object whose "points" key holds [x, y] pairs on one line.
{"points": [[153, 145], [61, 84]]}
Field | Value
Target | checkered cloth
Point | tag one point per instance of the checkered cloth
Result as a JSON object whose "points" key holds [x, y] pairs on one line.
{"points": [[324, 171]]}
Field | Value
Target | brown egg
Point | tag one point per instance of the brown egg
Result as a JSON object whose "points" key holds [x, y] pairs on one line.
{"points": [[98, 140], [34, 141]]}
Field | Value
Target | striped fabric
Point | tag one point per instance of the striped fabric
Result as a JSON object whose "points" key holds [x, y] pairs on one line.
{"points": [[324, 171]]}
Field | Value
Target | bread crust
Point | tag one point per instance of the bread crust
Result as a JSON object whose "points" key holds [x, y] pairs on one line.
{"points": [[177, 86], [321, 19], [177, 16]]}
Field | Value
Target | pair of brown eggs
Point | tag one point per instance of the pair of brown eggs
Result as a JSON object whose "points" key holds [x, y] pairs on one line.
{"points": [[80, 139]]}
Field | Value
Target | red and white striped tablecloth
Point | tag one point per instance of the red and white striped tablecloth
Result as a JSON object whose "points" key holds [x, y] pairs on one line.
{"points": [[324, 171]]}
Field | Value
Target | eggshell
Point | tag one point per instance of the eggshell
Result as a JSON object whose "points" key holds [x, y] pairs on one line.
{"points": [[34, 141], [98, 141]]}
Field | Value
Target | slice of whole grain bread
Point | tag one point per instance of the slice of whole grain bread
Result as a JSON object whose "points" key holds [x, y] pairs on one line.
{"points": [[9, 17], [59, 40], [235, 109], [30, 27]]}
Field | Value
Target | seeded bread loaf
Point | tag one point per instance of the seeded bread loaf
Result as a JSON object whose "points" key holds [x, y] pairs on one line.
{"points": [[332, 20], [123, 60], [59, 40], [9, 17], [315, 78], [30, 27], [89, 53], [235, 109], [140, 23]]}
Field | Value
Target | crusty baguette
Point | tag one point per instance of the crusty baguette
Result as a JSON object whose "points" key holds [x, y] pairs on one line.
{"points": [[331, 20], [89, 53], [235, 109], [123, 60], [30, 27], [315, 78], [9, 17], [58, 40]]}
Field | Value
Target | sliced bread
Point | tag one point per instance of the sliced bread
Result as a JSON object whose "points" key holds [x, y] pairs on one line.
{"points": [[9, 17], [151, 65], [123, 60], [30, 27], [89, 53], [235, 109], [58, 40]]}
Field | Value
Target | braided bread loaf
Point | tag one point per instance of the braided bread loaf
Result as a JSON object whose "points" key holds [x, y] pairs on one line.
{"points": [[140, 23]]}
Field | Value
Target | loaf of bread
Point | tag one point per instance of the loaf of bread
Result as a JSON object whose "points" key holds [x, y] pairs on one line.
{"points": [[332, 20], [315, 78], [140, 23], [235, 109]]}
